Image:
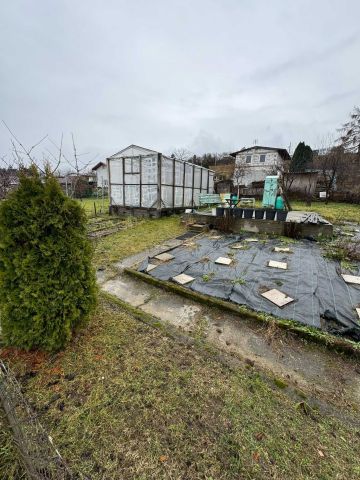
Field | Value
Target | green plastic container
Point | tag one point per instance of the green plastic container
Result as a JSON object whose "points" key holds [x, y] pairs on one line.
{"points": [[279, 203]]}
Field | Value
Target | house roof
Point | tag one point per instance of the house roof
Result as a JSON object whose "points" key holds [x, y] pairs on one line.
{"points": [[98, 165], [281, 151]]}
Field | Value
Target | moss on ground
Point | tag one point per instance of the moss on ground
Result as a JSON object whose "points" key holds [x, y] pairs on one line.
{"points": [[132, 402]]}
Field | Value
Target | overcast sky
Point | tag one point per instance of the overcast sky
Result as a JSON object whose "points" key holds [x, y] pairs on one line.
{"points": [[208, 75]]}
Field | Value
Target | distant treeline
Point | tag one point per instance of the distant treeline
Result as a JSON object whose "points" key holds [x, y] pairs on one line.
{"points": [[210, 159]]}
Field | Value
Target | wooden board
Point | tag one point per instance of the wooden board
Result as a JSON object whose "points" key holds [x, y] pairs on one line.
{"points": [[353, 279], [280, 299], [275, 264], [358, 312], [251, 240], [164, 257], [223, 261], [183, 279]]}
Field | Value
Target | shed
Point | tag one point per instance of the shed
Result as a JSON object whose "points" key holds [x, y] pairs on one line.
{"points": [[146, 182]]}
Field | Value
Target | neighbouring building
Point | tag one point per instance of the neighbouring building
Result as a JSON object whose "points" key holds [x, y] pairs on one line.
{"points": [[77, 186], [224, 169], [146, 182], [253, 164], [101, 173]]}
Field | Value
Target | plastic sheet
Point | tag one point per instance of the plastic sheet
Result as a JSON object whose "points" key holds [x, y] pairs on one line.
{"points": [[322, 298]]}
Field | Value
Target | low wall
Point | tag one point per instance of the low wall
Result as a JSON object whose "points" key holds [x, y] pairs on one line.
{"points": [[144, 212], [271, 227]]}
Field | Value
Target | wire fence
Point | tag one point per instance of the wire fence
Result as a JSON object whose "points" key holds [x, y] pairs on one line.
{"points": [[38, 453]]}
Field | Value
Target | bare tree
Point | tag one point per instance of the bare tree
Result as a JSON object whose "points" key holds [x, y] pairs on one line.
{"points": [[25, 156], [330, 166], [49, 161], [239, 174], [182, 154], [286, 179], [8, 177], [350, 133]]}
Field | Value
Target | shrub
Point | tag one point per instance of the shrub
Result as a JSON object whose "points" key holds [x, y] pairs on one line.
{"points": [[47, 284]]}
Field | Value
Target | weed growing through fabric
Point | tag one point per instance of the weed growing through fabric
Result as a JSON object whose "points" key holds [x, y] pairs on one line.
{"points": [[208, 276]]}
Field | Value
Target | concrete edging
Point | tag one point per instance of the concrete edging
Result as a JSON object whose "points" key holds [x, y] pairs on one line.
{"points": [[317, 336]]}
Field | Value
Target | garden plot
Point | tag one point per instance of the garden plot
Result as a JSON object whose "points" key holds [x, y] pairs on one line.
{"points": [[319, 295]]}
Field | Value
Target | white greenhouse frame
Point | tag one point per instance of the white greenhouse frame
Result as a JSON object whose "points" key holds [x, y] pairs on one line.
{"points": [[147, 182]]}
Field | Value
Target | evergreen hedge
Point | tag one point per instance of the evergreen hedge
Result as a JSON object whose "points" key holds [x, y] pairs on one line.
{"points": [[47, 284]]}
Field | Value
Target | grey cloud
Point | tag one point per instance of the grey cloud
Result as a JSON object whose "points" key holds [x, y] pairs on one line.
{"points": [[206, 75]]}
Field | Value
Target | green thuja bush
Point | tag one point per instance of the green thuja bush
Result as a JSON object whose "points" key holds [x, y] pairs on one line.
{"points": [[47, 284]]}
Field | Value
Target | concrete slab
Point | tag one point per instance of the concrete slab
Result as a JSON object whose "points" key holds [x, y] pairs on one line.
{"points": [[278, 298], [173, 243], [353, 279], [183, 279], [164, 257], [313, 370], [238, 246], [128, 290], [173, 309], [275, 264], [282, 250], [223, 261], [150, 267], [292, 225]]}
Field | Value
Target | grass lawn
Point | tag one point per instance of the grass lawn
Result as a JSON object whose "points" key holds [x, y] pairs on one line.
{"points": [[139, 235], [127, 401], [333, 211], [101, 207]]}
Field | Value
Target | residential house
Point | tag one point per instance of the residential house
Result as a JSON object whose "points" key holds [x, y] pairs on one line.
{"points": [[253, 164], [101, 173], [77, 185]]}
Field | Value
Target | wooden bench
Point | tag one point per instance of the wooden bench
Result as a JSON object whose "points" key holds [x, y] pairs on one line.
{"points": [[209, 199]]}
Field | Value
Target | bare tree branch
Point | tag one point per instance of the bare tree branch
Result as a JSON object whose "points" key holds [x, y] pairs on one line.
{"points": [[25, 151]]}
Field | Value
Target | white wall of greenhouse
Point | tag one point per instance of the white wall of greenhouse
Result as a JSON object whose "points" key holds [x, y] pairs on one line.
{"points": [[143, 178]]}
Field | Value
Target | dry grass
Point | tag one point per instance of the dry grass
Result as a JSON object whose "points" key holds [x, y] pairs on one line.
{"points": [[127, 401], [10, 466]]}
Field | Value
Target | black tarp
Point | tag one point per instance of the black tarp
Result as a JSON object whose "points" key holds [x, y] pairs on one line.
{"points": [[321, 295]]}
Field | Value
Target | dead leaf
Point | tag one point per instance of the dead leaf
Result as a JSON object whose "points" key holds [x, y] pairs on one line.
{"points": [[163, 458], [321, 454], [256, 456], [260, 436]]}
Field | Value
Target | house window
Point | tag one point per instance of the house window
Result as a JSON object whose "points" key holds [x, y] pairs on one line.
{"points": [[248, 159], [132, 165], [262, 157]]}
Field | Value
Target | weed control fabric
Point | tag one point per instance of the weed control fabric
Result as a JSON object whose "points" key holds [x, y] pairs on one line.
{"points": [[322, 298]]}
